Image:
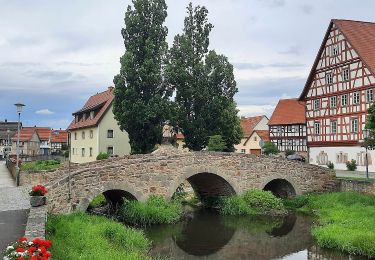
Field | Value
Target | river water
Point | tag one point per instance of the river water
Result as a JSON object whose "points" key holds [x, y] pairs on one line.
{"points": [[207, 235]]}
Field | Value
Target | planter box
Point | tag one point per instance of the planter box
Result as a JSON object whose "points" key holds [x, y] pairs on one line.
{"points": [[36, 201]]}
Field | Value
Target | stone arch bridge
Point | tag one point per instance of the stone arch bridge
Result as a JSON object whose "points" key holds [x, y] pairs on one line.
{"points": [[160, 173]]}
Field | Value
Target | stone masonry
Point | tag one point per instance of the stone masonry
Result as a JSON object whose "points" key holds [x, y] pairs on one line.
{"points": [[209, 173]]}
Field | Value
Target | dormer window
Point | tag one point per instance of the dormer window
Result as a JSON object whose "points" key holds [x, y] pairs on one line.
{"points": [[92, 114], [84, 116]]}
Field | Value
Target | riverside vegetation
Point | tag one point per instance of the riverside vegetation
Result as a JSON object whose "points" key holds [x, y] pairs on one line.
{"points": [[346, 220]]}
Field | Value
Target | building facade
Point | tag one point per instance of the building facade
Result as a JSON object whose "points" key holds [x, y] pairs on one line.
{"points": [[7, 130], [254, 130], [287, 126], [29, 142], [338, 93], [94, 130]]}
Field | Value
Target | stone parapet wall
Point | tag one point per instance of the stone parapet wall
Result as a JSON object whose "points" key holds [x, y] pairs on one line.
{"points": [[363, 186], [36, 223]]}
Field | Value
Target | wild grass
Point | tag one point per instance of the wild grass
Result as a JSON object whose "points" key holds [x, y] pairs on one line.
{"points": [[98, 201], [346, 221], [82, 236], [253, 202], [40, 165], [156, 210]]}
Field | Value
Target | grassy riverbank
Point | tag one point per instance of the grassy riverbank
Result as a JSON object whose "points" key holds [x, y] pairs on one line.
{"points": [[82, 236], [346, 220]]}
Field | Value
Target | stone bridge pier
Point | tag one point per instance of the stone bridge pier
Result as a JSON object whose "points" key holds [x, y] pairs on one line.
{"points": [[209, 173]]}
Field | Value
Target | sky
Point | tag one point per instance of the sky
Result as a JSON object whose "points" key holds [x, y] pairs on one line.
{"points": [[55, 54]]}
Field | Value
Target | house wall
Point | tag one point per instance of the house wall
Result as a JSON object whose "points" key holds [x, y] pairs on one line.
{"points": [[86, 143], [262, 125], [120, 140], [247, 144]]}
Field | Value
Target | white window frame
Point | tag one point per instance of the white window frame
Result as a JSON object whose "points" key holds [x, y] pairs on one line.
{"points": [[317, 128], [316, 104], [354, 125], [329, 78], [333, 127], [344, 97], [335, 50], [333, 101], [243, 151], [369, 95], [356, 97], [345, 74]]}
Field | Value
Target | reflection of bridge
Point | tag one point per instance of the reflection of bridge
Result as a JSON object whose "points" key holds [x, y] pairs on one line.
{"points": [[210, 174]]}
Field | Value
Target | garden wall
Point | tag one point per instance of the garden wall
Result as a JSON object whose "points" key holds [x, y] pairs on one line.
{"points": [[36, 222], [363, 186]]}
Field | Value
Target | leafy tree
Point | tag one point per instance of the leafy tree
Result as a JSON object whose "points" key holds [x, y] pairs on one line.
{"points": [[102, 156], [141, 103], [270, 148], [216, 143], [204, 83], [370, 124]]}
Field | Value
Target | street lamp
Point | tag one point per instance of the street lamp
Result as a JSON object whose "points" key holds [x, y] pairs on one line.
{"points": [[366, 135], [19, 107]]}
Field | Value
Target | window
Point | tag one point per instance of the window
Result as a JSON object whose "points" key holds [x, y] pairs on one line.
{"points": [[243, 150], [356, 97], [110, 150], [289, 128], [354, 125], [110, 134], [316, 104], [255, 138], [333, 127], [92, 114], [83, 134], [90, 151], [317, 128], [335, 50], [344, 100], [75, 136], [329, 78], [91, 134], [83, 152], [369, 95], [333, 101], [84, 116], [345, 74]]}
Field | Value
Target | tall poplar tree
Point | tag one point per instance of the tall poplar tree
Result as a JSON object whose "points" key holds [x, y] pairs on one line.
{"points": [[204, 84], [141, 101]]}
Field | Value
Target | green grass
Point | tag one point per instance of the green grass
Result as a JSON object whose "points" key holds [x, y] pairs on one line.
{"points": [[253, 202], [156, 210], [40, 165], [82, 236], [98, 201], [346, 221]]}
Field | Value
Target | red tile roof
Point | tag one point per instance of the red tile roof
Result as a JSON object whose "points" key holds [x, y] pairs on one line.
{"points": [[248, 124], [59, 136], [361, 35], [25, 134], [263, 134], [288, 112], [100, 103], [43, 132]]}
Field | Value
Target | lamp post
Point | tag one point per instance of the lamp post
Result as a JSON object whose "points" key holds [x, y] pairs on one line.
{"points": [[19, 107], [366, 135]]}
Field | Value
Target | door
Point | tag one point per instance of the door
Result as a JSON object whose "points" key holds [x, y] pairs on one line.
{"points": [[255, 151]]}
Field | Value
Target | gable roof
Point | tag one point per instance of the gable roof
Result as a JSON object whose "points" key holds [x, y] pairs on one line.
{"points": [[288, 112], [59, 136], [263, 134], [98, 103], [249, 123], [26, 133], [44, 133], [360, 35]]}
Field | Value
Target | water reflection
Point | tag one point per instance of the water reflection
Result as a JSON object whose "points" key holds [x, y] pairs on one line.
{"points": [[208, 235]]}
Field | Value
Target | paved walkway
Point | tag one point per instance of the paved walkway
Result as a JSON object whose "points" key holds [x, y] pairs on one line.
{"points": [[14, 208], [354, 174]]}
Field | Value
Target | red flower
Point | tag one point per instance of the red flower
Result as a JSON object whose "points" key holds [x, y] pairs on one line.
{"points": [[22, 239], [34, 257], [20, 250]]}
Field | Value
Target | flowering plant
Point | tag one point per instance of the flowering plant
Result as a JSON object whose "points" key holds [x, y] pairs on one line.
{"points": [[28, 250], [38, 190]]}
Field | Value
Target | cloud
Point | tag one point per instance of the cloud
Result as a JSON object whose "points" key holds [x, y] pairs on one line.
{"points": [[253, 110], [45, 111], [273, 3], [256, 66], [306, 8], [293, 50]]}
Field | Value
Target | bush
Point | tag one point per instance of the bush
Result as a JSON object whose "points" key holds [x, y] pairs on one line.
{"points": [[352, 165], [156, 210], [66, 154], [216, 143], [263, 201], [40, 165], [330, 165], [81, 236], [235, 206], [270, 148], [98, 201], [289, 152], [102, 156]]}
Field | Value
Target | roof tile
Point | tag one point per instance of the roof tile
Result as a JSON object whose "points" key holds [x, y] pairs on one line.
{"points": [[288, 112]]}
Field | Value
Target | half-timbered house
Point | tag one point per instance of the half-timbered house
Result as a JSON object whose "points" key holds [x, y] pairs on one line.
{"points": [[287, 126], [338, 92]]}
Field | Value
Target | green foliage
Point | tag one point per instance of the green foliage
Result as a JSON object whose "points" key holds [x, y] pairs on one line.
{"points": [[102, 156], [352, 165], [253, 202], [346, 221], [156, 210], [40, 165], [289, 152], [81, 236], [253, 224], [98, 201], [141, 103], [216, 143], [330, 165], [270, 148], [66, 153], [205, 85]]}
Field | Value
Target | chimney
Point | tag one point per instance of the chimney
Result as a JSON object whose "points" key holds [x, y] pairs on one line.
{"points": [[110, 88]]}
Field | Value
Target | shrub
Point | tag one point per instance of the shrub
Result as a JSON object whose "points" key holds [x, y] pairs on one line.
{"points": [[98, 201], [216, 143], [351, 165], [66, 154], [235, 206], [156, 210], [82, 236], [289, 152], [102, 156], [263, 201], [270, 148], [330, 165]]}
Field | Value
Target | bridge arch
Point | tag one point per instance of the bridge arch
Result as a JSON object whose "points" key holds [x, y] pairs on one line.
{"points": [[112, 191], [206, 181], [282, 188]]}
